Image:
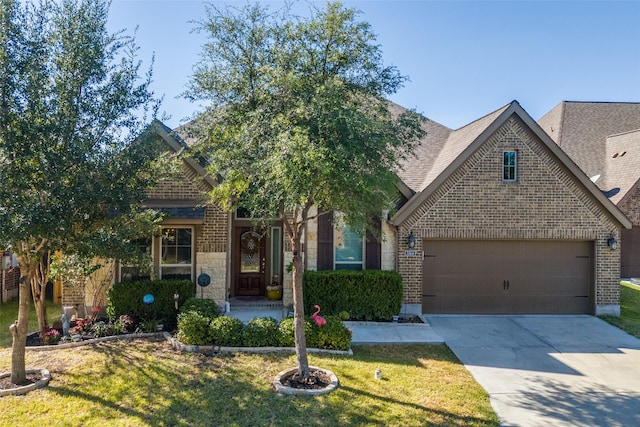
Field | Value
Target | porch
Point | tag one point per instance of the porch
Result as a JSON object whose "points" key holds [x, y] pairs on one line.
{"points": [[247, 308]]}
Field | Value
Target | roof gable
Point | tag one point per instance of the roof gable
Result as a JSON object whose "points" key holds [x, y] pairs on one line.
{"points": [[462, 144]]}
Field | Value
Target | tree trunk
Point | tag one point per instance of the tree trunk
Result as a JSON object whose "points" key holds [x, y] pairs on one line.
{"points": [[298, 311], [38, 290], [20, 327]]}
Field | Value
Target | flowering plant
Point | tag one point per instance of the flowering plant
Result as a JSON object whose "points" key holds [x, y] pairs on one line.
{"points": [[51, 336]]}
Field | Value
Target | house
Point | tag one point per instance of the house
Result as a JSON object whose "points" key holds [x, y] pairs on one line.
{"points": [[494, 217], [603, 138]]}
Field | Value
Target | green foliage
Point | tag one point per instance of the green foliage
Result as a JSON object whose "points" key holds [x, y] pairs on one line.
{"points": [[102, 329], [286, 330], [193, 328], [205, 307], [226, 331], [364, 295], [312, 124], [126, 298], [298, 118], [261, 332], [333, 336]]}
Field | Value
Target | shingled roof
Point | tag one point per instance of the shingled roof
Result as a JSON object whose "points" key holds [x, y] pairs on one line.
{"points": [[591, 133], [462, 143]]}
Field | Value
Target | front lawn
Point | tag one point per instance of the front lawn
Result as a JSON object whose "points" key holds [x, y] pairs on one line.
{"points": [[147, 383], [9, 314], [629, 320]]}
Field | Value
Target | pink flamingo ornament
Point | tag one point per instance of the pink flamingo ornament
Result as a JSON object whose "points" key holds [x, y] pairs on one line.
{"points": [[318, 319]]}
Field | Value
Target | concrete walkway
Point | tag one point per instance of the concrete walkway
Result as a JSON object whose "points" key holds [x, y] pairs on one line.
{"points": [[549, 370], [363, 333]]}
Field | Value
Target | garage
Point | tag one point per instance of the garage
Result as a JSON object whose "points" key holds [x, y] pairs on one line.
{"points": [[507, 276]]}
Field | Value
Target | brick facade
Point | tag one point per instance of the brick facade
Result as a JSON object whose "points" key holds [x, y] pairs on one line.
{"points": [[546, 202]]}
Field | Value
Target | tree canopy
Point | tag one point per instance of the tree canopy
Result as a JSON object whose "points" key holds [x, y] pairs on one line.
{"points": [[74, 155], [298, 118]]}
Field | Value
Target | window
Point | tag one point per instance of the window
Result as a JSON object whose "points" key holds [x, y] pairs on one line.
{"points": [[130, 273], [177, 249], [349, 249], [275, 254], [509, 166]]}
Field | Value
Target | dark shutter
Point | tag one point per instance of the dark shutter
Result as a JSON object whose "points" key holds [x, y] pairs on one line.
{"points": [[373, 248], [325, 241]]}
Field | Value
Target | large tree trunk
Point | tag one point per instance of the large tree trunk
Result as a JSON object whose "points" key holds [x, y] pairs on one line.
{"points": [[20, 327]]}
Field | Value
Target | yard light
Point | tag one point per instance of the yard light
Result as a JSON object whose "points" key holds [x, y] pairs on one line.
{"points": [[411, 240], [612, 242]]}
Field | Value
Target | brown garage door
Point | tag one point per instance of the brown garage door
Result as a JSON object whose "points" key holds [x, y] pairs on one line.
{"points": [[502, 276]]}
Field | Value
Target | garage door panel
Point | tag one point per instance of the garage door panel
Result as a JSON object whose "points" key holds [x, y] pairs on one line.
{"points": [[507, 276]]}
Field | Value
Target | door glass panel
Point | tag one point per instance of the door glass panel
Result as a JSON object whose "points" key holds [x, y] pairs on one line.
{"points": [[250, 252]]}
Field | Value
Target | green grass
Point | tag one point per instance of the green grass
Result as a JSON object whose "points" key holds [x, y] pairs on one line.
{"points": [[629, 320], [9, 314], [147, 383]]}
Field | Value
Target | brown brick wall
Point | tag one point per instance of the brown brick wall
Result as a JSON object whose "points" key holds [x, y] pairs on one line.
{"points": [[631, 207], [547, 202], [190, 187]]}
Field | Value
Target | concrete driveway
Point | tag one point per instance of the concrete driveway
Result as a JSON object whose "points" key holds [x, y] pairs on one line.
{"points": [[549, 370]]}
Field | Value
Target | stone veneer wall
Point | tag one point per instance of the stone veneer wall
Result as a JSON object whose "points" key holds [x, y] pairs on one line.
{"points": [[215, 265], [546, 203]]}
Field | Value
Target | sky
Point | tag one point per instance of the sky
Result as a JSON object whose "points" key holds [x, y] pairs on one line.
{"points": [[464, 58]]}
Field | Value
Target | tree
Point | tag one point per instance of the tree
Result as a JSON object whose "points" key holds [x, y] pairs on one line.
{"points": [[72, 101], [298, 118]]}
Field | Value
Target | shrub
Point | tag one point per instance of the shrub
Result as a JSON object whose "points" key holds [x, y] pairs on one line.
{"points": [[365, 295], [261, 332], [193, 328], [205, 307], [102, 329], [333, 335], [286, 331], [125, 324], [126, 298], [226, 331]]}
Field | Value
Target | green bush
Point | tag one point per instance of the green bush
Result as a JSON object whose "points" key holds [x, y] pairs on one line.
{"points": [[286, 331], [193, 328], [365, 295], [226, 331], [333, 336], [126, 298], [261, 332], [206, 307]]}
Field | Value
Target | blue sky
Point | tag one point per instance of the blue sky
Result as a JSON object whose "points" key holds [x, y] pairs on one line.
{"points": [[464, 58]]}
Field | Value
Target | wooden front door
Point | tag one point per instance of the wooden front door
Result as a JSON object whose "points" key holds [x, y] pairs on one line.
{"points": [[250, 262]]}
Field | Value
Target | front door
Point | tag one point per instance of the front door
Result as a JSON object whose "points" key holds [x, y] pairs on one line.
{"points": [[250, 262]]}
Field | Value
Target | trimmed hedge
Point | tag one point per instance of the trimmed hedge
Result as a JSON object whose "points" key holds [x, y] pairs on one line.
{"points": [[126, 298], [365, 295], [195, 329]]}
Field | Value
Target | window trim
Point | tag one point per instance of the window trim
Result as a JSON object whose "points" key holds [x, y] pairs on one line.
{"points": [[507, 168], [363, 242], [161, 265]]}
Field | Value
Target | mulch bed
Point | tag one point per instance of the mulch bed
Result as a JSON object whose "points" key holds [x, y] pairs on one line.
{"points": [[410, 318], [5, 382], [316, 380]]}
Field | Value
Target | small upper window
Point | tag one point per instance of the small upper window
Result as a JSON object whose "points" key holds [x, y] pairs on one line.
{"points": [[509, 166]]}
